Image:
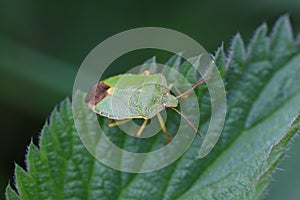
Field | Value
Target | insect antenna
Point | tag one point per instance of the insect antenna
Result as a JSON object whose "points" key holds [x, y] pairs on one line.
{"points": [[186, 93], [188, 121]]}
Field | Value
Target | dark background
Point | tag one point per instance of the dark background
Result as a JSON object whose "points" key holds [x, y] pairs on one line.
{"points": [[43, 42]]}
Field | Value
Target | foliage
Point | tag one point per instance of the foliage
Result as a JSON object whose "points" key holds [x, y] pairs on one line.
{"points": [[263, 104]]}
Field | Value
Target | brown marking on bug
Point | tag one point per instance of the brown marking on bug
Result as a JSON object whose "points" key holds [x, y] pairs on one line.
{"points": [[97, 93]]}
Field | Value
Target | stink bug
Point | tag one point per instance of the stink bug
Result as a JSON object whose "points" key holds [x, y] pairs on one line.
{"points": [[129, 96]]}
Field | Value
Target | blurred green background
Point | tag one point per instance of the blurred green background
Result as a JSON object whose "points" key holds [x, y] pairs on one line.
{"points": [[43, 42]]}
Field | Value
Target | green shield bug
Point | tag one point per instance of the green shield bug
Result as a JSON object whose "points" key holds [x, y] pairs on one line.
{"points": [[129, 96]]}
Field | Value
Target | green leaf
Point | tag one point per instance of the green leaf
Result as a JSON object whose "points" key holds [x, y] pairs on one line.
{"points": [[11, 194], [263, 98]]}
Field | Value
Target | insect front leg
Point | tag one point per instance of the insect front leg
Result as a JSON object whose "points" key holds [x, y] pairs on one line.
{"points": [[119, 122], [175, 87], [140, 131]]}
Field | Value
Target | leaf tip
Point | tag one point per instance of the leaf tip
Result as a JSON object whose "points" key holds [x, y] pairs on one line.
{"points": [[220, 50], [282, 31], [220, 58], [10, 193], [150, 60], [236, 52], [259, 44]]}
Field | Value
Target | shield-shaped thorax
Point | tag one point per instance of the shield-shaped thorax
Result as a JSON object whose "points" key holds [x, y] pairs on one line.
{"points": [[133, 96]]}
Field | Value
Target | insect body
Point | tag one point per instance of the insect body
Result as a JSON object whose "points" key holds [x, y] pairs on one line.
{"points": [[129, 96]]}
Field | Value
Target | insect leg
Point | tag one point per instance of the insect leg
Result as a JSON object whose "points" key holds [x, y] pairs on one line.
{"points": [[140, 131], [163, 127], [176, 89], [116, 123]]}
